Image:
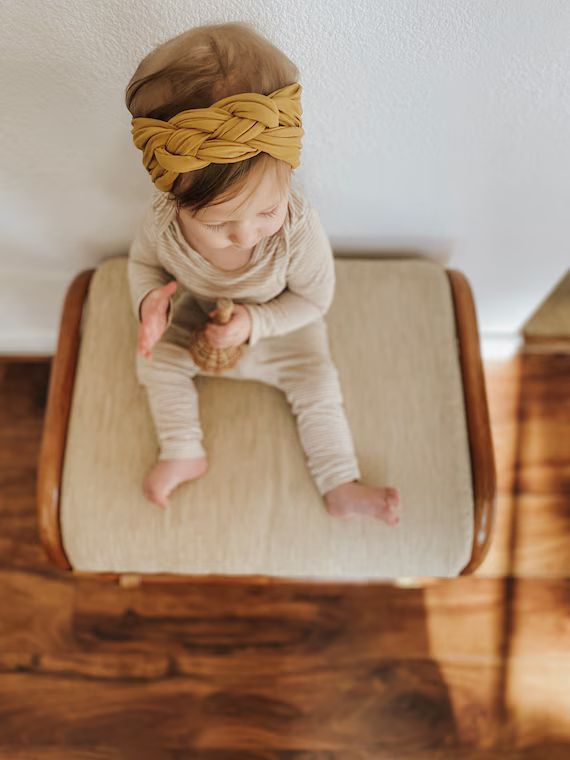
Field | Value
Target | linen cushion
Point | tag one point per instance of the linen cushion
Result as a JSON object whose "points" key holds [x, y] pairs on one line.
{"points": [[257, 511]]}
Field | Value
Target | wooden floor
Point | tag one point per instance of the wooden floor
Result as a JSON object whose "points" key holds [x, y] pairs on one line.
{"points": [[474, 667]]}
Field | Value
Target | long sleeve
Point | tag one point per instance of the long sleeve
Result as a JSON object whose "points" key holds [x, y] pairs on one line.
{"points": [[144, 270], [310, 284]]}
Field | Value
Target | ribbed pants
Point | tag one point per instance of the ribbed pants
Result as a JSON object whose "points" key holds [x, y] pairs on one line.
{"points": [[298, 363]]}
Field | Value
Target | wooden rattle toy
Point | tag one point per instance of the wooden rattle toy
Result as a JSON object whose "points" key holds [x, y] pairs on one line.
{"points": [[209, 357]]}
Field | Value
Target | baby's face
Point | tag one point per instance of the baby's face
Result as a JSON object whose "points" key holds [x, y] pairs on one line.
{"points": [[238, 225]]}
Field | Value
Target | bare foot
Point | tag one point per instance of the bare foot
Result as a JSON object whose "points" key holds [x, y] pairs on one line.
{"points": [[168, 473], [354, 498]]}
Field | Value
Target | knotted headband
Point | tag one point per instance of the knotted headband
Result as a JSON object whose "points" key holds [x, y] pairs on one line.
{"points": [[231, 129]]}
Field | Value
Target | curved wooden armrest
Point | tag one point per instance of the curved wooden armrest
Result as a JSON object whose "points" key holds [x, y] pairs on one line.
{"points": [[483, 472], [56, 419]]}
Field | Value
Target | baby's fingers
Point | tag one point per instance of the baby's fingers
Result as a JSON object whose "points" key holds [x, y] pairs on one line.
{"points": [[213, 339], [146, 342], [144, 350]]}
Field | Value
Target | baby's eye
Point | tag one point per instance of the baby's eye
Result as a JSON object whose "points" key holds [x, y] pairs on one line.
{"points": [[219, 226]]}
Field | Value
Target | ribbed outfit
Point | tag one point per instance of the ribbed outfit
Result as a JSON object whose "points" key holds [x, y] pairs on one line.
{"points": [[287, 286]]}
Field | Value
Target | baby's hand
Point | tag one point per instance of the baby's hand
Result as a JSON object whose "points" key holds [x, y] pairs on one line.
{"points": [[154, 317], [234, 333]]}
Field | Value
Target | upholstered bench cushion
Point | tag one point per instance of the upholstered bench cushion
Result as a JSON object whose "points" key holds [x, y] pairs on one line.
{"points": [[257, 511]]}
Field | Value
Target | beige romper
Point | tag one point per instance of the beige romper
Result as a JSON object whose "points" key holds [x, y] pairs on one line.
{"points": [[287, 286]]}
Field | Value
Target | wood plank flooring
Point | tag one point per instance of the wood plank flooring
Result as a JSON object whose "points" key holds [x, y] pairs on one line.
{"points": [[474, 667]]}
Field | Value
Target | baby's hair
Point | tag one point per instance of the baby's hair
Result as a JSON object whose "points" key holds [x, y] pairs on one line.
{"points": [[197, 68]]}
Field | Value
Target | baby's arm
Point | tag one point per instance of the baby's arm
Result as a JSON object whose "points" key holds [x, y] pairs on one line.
{"points": [[144, 270], [310, 284]]}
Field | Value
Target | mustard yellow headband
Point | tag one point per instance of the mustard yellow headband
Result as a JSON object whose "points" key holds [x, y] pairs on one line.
{"points": [[231, 129]]}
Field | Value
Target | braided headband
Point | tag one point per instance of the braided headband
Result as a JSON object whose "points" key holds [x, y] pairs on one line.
{"points": [[231, 129]]}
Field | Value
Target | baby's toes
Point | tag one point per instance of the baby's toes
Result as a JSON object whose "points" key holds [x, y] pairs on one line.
{"points": [[154, 494], [393, 496], [392, 506], [392, 517]]}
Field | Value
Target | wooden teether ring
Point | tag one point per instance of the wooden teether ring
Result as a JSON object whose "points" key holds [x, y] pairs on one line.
{"points": [[208, 357]]}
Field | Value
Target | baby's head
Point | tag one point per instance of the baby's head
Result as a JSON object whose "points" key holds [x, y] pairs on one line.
{"points": [[248, 198]]}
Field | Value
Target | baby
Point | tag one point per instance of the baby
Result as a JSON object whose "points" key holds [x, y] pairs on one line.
{"points": [[216, 112]]}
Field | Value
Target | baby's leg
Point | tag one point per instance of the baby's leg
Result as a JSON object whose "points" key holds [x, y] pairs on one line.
{"points": [[308, 377], [174, 405], [316, 401]]}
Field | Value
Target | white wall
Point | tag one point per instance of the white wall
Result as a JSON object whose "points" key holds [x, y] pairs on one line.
{"points": [[439, 125]]}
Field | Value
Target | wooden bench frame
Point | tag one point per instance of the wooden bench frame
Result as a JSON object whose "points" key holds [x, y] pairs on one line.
{"points": [[60, 394]]}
